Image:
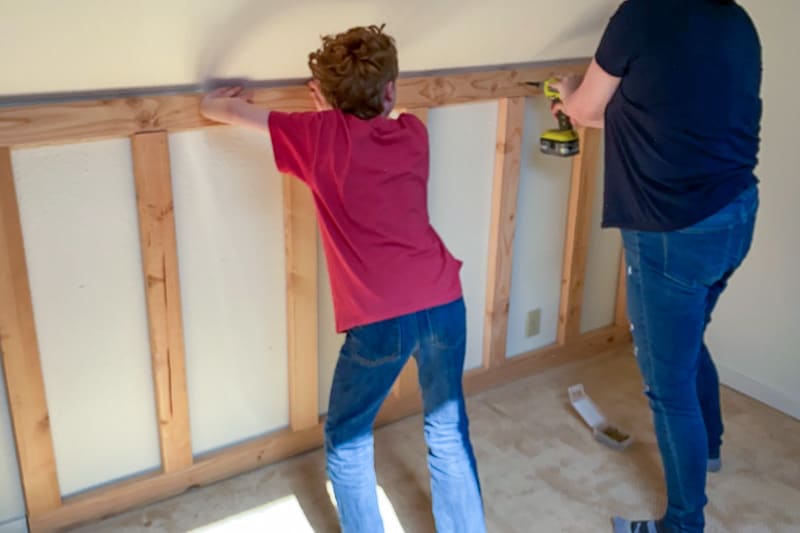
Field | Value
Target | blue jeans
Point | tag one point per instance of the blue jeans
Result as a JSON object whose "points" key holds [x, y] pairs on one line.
{"points": [[674, 281], [369, 362]]}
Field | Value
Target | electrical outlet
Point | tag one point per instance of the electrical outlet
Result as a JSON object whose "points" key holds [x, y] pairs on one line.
{"points": [[533, 324]]}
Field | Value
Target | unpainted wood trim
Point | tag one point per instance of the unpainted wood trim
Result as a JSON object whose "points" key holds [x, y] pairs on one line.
{"points": [[508, 157], [80, 121], [300, 230], [19, 347], [583, 181], [153, 178]]}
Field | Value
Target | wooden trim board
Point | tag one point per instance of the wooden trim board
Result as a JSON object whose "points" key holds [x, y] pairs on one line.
{"points": [[151, 169], [508, 156], [576, 248], [286, 443], [104, 502], [524, 365], [20, 353], [121, 117], [300, 229]]}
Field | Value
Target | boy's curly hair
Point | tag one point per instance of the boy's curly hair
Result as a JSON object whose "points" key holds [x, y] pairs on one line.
{"points": [[353, 69]]}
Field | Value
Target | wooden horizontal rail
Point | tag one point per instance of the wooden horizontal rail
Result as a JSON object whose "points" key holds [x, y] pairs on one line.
{"points": [[121, 117], [286, 443]]}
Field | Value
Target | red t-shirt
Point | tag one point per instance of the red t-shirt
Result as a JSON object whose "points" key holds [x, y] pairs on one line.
{"points": [[370, 185]]}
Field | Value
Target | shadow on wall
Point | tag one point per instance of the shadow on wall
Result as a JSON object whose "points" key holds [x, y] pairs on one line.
{"points": [[227, 37]]}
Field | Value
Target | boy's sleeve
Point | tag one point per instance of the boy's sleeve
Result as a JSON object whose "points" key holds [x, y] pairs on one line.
{"points": [[410, 120], [295, 137], [621, 40]]}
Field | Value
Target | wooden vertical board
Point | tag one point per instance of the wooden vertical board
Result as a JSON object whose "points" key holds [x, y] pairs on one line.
{"points": [[152, 174], [510, 121], [408, 380], [301, 303], [20, 352], [576, 248], [621, 310]]}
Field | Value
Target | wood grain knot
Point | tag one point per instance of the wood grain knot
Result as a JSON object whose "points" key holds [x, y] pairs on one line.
{"points": [[145, 119], [438, 90]]}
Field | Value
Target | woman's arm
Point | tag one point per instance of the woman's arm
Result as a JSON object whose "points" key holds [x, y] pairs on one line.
{"points": [[584, 100]]}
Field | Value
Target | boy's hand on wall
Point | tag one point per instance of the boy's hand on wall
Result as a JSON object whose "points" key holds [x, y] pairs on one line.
{"points": [[234, 105], [228, 92]]}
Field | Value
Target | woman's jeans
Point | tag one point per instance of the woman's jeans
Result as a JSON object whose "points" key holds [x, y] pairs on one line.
{"points": [[674, 281], [370, 361]]}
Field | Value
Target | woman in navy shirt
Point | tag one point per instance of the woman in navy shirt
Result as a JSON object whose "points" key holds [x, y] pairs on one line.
{"points": [[676, 84]]}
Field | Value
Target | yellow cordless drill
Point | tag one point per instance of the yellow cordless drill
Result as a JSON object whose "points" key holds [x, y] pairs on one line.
{"points": [[564, 140]]}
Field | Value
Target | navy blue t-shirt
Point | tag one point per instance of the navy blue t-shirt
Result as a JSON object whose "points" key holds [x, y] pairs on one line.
{"points": [[682, 130]]}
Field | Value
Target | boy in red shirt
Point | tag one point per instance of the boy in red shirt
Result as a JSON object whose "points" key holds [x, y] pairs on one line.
{"points": [[396, 288]]}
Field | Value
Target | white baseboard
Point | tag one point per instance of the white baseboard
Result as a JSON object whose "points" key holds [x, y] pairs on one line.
{"points": [[758, 391], [19, 525]]}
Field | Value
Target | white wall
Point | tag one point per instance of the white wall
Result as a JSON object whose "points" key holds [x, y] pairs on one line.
{"points": [[462, 140], [229, 223], [18, 525], [602, 267], [78, 211], [12, 506], [539, 239], [754, 335], [97, 44]]}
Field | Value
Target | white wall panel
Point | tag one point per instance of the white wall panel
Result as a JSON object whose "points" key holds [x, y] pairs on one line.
{"points": [[20, 525], [602, 267], [229, 220], [462, 141], [539, 239], [78, 211]]}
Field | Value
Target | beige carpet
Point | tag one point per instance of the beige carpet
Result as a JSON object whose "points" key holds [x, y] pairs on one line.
{"points": [[540, 468]]}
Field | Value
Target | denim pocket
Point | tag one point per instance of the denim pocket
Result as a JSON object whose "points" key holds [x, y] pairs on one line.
{"points": [[706, 252], [374, 345], [697, 258]]}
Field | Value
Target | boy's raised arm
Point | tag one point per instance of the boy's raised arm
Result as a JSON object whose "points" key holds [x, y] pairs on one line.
{"points": [[233, 105]]}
